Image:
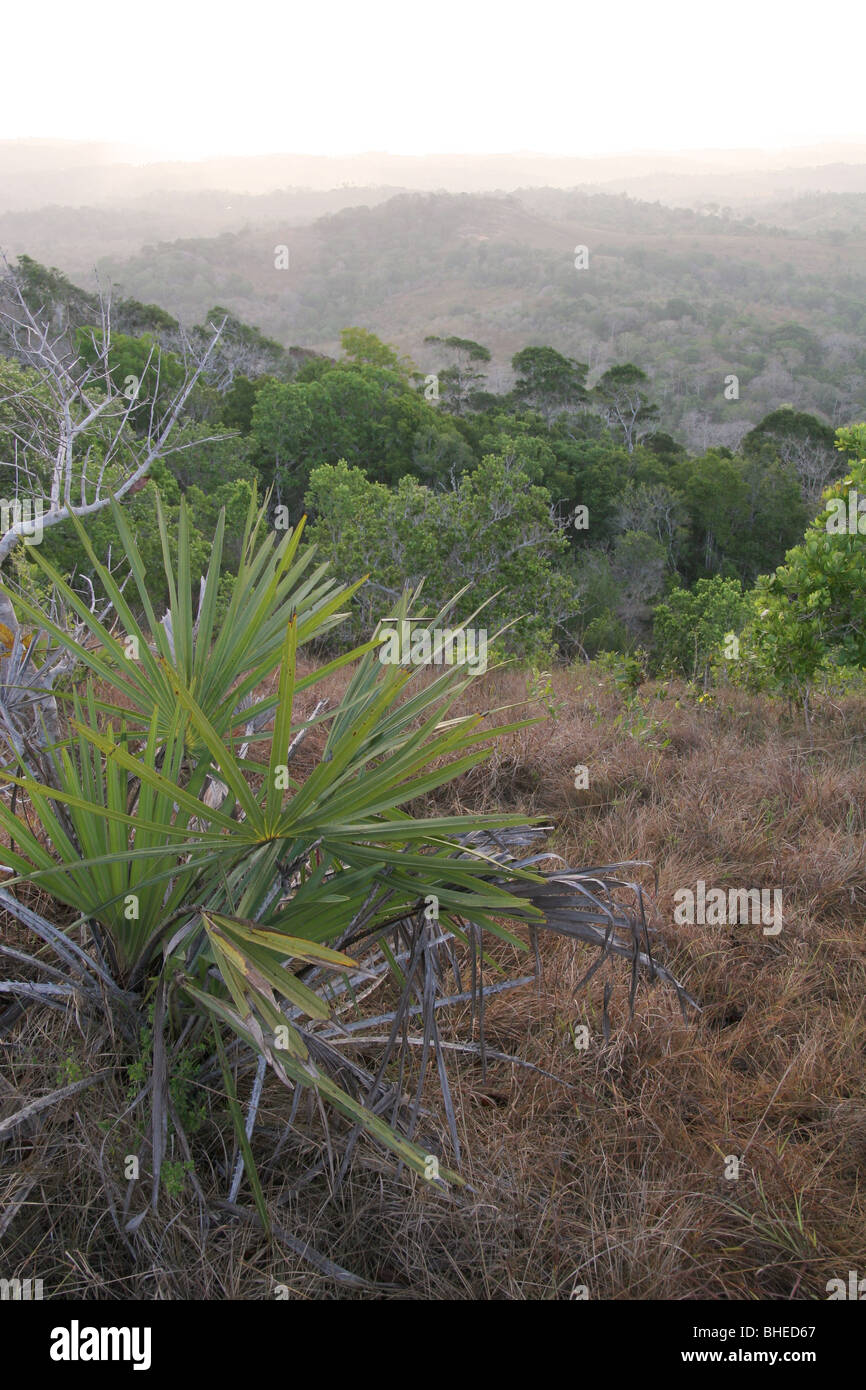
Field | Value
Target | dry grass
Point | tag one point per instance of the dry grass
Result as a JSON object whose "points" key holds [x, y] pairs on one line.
{"points": [[612, 1177]]}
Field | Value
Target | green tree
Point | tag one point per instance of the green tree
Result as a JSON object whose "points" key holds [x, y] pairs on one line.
{"points": [[598, 626], [690, 626], [550, 382], [811, 613], [201, 461], [236, 408], [140, 369], [361, 346], [804, 442], [369, 416], [639, 563], [493, 530], [460, 382], [742, 513], [622, 398]]}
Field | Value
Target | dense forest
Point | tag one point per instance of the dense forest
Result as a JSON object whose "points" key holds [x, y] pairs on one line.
{"points": [[689, 296], [772, 291], [563, 502]]}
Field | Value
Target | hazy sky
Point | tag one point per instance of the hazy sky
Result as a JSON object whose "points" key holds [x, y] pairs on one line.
{"points": [[332, 77]]}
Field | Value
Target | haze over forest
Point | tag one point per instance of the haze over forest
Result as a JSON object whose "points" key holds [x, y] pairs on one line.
{"points": [[703, 263]]}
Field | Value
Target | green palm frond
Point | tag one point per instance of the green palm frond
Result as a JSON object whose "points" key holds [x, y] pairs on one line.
{"points": [[146, 661], [258, 901]]}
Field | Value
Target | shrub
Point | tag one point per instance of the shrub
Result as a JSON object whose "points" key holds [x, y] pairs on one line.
{"points": [[691, 625]]}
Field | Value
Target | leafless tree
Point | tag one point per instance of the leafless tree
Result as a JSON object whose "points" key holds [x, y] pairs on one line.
{"points": [[655, 509], [816, 465], [70, 439], [66, 438], [242, 350]]}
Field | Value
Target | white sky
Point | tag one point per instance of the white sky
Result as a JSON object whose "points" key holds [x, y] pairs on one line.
{"points": [[188, 79]]}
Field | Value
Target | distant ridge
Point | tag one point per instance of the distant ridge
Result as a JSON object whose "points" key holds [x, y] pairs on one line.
{"points": [[34, 173]]}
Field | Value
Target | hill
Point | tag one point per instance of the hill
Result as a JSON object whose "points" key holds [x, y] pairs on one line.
{"points": [[693, 297]]}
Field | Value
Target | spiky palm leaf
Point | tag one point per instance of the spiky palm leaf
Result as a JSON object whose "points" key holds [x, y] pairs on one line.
{"points": [[245, 904]]}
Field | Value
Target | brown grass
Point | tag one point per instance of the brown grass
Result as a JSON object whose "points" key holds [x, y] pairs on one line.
{"points": [[612, 1177]]}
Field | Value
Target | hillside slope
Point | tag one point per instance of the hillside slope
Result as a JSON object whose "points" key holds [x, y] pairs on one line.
{"points": [[690, 297]]}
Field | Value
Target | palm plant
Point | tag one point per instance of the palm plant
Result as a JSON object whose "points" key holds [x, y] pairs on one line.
{"points": [[236, 901]]}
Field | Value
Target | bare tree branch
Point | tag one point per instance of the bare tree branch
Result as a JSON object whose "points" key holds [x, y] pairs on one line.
{"points": [[73, 418]]}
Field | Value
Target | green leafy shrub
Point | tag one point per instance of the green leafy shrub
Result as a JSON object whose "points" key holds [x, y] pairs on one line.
{"points": [[691, 625], [493, 531]]}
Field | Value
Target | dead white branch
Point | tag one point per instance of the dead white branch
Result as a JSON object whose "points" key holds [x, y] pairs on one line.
{"points": [[71, 446]]}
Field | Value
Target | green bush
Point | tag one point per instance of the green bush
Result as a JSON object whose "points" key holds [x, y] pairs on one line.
{"points": [[691, 625], [808, 616]]}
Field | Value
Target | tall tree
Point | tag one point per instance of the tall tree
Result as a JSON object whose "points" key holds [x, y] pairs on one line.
{"points": [[361, 346], [811, 612], [549, 381], [460, 382], [803, 441], [623, 400]]}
